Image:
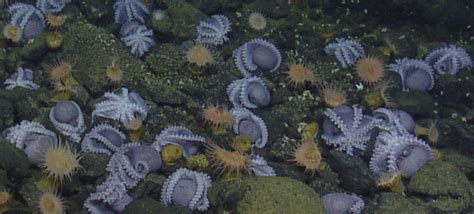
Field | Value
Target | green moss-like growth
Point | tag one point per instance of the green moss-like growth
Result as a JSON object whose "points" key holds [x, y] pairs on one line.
{"points": [[445, 183], [394, 203], [266, 195], [13, 160], [35, 49], [179, 20]]}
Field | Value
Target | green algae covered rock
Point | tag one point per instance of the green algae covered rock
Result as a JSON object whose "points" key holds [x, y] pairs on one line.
{"points": [[83, 40], [353, 172], [147, 205], [394, 203], [35, 49], [444, 182], [265, 195], [415, 102], [13, 160], [179, 20]]}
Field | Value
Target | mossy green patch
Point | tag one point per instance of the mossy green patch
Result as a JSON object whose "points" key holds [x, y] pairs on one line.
{"points": [[266, 195], [445, 183]]}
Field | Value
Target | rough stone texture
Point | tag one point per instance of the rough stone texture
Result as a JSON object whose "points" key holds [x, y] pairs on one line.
{"points": [[353, 172], [265, 195], [443, 182], [13, 160], [394, 203]]}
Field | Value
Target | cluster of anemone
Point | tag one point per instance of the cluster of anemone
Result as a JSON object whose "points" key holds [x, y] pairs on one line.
{"points": [[60, 68], [370, 69], [257, 21], [200, 55], [299, 74], [213, 30], [218, 116], [307, 155], [51, 203], [333, 94]]}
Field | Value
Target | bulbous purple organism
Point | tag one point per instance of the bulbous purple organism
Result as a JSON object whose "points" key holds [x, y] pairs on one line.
{"points": [[398, 120], [130, 10], [449, 60], [213, 30], [136, 36], [103, 138], [21, 78], [337, 203], [186, 188], [260, 167], [127, 167], [28, 18], [395, 152], [124, 107], [249, 92], [51, 6], [180, 136], [250, 125], [346, 51], [415, 74], [347, 129], [257, 54], [67, 117], [31, 137]]}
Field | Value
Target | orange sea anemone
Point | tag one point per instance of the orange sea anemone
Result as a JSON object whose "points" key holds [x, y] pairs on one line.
{"points": [[392, 182], [257, 21], [307, 155], [12, 33], [370, 69], [333, 94], [387, 99], [113, 72], [200, 55], [60, 69], [60, 162], [218, 116], [231, 163], [431, 132], [298, 74], [55, 21], [50, 203]]}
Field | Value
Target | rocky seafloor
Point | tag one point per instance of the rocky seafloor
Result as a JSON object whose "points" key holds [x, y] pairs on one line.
{"points": [[176, 91]]}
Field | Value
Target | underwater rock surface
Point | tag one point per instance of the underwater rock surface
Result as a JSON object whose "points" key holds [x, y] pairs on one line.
{"points": [[258, 194], [444, 183]]}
